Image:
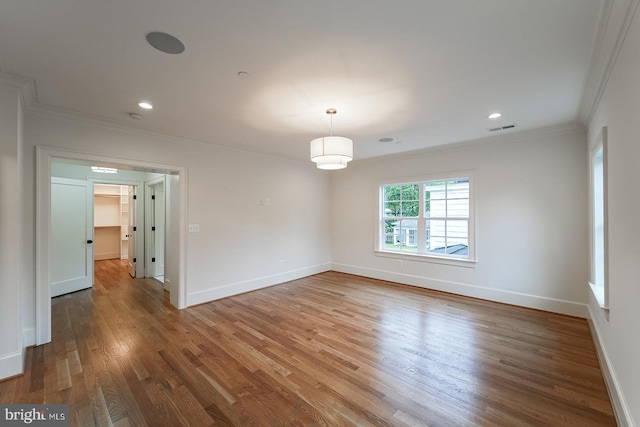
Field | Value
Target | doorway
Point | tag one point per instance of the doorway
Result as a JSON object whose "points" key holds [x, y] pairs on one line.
{"points": [[115, 223], [175, 236], [116, 230]]}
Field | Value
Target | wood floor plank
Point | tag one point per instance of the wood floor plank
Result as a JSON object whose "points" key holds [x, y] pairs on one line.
{"points": [[329, 350]]}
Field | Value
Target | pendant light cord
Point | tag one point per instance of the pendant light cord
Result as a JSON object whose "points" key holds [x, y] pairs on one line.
{"points": [[331, 124]]}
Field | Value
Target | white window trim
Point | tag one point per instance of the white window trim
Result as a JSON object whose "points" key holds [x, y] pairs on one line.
{"points": [[600, 290], [469, 262], [409, 256]]}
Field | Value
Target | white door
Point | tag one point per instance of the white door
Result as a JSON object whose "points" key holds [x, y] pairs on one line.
{"points": [[131, 251], [71, 235], [158, 230]]}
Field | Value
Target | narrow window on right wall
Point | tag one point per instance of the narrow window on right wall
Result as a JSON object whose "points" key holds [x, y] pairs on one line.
{"points": [[599, 279]]}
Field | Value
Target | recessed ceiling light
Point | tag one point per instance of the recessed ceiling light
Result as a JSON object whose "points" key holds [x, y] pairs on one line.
{"points": [[145, 105], [495, 115], [243, 74], [135, 116], [165, 42], [385, 139]]}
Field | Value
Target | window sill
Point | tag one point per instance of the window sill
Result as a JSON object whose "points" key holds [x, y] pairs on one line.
{"points": [[598, 293], [466, 263]]}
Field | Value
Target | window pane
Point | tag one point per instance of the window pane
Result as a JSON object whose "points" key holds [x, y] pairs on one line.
{"points": [[437, 187], [598, 218], [412, 237], [458, 208], [410, 208], [458, 189], [435, 231], [438, 209], [410, 192], [392, 209], [434, 199], [457, 229], [457, 246], [392, 192], [409, 228], [389, 225]]}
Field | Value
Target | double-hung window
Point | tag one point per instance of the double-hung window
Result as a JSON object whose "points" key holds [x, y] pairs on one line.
{"points": [[432, 218]]}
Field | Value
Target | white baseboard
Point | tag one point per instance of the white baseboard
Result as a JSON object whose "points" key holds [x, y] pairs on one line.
{"points": [[514, 298], [620, 407], [106, 255], [254, 284], [12, 364]]}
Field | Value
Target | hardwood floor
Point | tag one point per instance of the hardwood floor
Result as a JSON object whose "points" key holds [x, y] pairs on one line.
{"points": [[330, 349]]}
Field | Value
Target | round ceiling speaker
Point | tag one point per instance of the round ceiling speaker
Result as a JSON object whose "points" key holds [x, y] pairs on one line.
{"points": [[165, 42]]}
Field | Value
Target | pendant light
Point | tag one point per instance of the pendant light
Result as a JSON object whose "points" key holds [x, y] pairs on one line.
{"points": [[331, 152]]}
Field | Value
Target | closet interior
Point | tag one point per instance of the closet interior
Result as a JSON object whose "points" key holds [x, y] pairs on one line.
{"points": [[111, 221]]}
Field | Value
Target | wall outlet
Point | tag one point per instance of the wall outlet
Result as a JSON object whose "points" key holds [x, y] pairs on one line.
{"points": [[194, 228]]}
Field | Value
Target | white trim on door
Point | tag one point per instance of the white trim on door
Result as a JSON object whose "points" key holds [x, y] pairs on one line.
{"points": [[149, 270]]}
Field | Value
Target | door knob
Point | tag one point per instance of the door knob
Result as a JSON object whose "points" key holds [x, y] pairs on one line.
{"points": [[89, 241]]}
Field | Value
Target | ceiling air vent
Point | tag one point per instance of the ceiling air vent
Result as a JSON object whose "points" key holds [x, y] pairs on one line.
{"points": [[502, 128]]}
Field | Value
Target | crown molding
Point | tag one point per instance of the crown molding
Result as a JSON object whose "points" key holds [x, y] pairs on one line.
{"points": [[488, 141], [27, 87], [613, 26], [44, 110]]}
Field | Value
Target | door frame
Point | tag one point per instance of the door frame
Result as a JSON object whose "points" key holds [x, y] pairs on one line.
{"points": [[149, 220], [139, 185], [44, 157]]}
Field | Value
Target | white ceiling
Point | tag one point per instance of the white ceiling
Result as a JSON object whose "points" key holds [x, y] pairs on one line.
{"points": [[425, 72]]}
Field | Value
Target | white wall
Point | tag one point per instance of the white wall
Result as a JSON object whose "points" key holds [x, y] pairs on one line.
{"points": [[619, 110], [242, 245], [531, 220], [11, 187]]}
